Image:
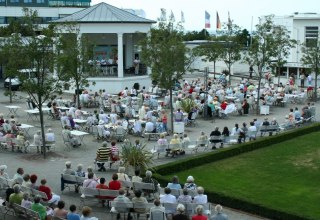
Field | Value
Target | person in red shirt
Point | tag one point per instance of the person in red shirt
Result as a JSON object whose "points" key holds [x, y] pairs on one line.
{"points": [[114, 184], [199, 215], [102, 185], [52, 198], [223, 105]]}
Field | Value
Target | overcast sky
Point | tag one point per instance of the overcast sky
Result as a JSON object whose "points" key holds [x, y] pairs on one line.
{"points": [[241, 11]]}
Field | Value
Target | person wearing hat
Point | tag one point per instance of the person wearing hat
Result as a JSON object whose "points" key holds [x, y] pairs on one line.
{"points": [[103, 155]]}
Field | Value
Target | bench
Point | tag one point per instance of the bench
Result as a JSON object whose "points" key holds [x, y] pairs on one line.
{"points": [[93, 193], [72, 180], [5, 183], [25, 213], [269, 128], [153, 136]]}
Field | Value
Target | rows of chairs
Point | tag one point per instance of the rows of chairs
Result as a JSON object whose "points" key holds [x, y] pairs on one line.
{"points": [[142, 210], [96, 194]]}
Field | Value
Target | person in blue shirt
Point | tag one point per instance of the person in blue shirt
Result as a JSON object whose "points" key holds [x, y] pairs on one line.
{"points": [[72, 215], [174, 184]]}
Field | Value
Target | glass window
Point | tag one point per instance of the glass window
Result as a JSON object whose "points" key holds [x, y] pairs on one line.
{"points": [[27, 1], [311, 36], [40, 1], [14, 1], [2, 20]]}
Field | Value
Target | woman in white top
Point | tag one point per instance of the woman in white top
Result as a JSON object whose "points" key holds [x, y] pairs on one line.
{"points": [[37, 140], [121, 175], [50, 137]]}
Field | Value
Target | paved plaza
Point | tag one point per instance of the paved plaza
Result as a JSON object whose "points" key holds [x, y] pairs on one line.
{"points": [[52, 167]]}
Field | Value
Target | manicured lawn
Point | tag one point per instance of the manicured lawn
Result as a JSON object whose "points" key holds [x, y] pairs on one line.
{"points": [[285, 176]]}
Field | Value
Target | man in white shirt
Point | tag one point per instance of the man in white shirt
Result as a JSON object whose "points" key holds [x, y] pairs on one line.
{"points": [[168, 198], [252, 131], [200, 198], [150, 128]]}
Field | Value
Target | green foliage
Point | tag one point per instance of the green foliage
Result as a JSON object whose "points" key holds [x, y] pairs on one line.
{"points": [[74, 55], [164, 51], [187, 104], [211, 52], [311, 58], [231, 52], [196, 35], [136, 157], [270, 43], [33, 52]]}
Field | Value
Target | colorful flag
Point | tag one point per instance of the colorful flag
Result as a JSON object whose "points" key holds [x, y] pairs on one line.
{"points": [[182, 17], [207, 20], [218, 22]]}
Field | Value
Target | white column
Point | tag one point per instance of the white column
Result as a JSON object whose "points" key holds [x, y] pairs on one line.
{"points": [[129, 51], [120, 55]]}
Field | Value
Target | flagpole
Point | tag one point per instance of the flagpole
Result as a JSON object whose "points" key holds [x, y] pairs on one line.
{"points": [[251, 31]]}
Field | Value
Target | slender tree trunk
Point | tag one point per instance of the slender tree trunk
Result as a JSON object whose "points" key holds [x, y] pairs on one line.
{"points": [[171, 110], [10, 90], [214, 69], [42, 127], [316, 83], [279, 76], [78, 95], [258, 97]]}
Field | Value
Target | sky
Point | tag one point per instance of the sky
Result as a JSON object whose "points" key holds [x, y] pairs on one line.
{"points": [[242, 12]]}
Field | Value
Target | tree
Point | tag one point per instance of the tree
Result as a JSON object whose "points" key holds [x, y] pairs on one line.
{"points": [[283, 44], [211, 51], [311, 58], [75, 54], [37, 51], [164, 51], [232, 46], [11, 47], [262, 50], [195, 35]]}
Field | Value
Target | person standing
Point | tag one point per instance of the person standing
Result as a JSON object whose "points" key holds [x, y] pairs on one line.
{"points": [[309, 78], [302, 78]]}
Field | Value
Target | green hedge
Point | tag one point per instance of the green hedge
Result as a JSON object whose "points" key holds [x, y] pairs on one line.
{"points": [[216, 197]]}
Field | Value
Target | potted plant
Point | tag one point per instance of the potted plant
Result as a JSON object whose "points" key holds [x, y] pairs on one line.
{"points": [[135, 158], [187, 105]]}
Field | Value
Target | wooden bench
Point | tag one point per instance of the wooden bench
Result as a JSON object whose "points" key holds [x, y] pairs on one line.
{"points": [[73, 180], [269, 128], [153, 136], [25, 213], [93, 193]]}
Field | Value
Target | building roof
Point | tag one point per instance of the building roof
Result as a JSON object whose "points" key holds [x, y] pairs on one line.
{"points": [[103, 13]]}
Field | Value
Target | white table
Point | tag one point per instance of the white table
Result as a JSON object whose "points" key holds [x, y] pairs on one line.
{"points": [[25, 128], [63, 109], [80, 122], [79, 134], [32, 114], [12, 109]]}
